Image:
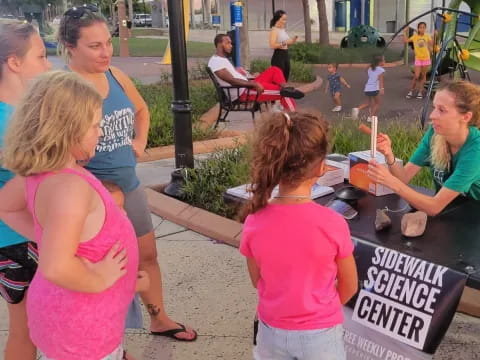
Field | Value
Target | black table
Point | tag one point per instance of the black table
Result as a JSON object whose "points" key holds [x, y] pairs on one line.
{"points": [[451, 239]]}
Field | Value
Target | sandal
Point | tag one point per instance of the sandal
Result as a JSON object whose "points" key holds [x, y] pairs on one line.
{"points": [[171, 333]]}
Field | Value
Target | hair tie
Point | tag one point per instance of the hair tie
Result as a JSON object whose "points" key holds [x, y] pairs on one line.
{"points": [[289, 120]]}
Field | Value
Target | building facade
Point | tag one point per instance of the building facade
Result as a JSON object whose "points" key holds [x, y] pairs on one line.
{"points": [[385, 15]]}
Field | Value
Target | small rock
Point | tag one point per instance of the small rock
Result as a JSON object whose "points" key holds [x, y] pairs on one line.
{"points": [[414, 224], [382, 221]]}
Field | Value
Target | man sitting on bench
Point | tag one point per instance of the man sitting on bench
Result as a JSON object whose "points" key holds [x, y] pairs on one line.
{"points": [[270, 84]]}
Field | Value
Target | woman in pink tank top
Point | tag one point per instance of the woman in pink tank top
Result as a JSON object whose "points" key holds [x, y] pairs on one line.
{"points": [[88, 255]]}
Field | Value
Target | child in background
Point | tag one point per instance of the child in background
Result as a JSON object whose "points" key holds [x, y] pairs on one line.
{"points": [[134, 316], [422, 46], [116, 192], [88, 252], [299, 253], [334, 84], [118, 196], [373, 88]]}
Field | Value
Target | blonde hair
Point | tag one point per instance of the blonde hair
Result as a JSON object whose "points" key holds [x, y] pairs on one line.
{"points": [[52, 118], [467, 99], [14, 40]]}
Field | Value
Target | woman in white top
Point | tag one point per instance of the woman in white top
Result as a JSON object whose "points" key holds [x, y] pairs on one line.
{"points": [[279, 41]]}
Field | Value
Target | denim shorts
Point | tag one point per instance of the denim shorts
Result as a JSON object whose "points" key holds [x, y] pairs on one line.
{"points": [[117, 354], [280, 344], [372, 93]]}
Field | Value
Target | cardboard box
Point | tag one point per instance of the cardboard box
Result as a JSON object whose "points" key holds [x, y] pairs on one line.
{"points": [[358, 172], [339, 161], [333, 176]]}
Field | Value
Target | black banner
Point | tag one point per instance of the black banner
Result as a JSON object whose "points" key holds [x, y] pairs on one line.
{"points": [[403, 308]]}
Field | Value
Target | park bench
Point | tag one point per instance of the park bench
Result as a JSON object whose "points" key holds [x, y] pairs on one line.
{"points": [[226, 104]]}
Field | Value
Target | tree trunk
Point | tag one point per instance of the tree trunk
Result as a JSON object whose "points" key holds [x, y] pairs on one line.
{"points": [[207, 11], [192, 14], [323, 22], [244, 42], [307, 20], [130, 10]]}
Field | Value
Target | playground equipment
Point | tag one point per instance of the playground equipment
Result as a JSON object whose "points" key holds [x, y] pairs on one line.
{"points": [[362, 35], [453, 53]]}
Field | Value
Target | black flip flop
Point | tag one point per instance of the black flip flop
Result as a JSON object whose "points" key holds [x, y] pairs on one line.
{"points": [[171, 333], [291, 92]]}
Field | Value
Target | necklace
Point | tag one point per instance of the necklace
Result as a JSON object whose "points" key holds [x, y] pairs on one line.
{"points": [[298, 197]]}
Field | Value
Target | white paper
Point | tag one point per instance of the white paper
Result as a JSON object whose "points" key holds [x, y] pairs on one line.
{"points": [[373, 138]]}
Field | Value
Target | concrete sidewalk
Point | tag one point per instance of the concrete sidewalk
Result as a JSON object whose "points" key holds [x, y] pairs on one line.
{"points": [[206, 285]]}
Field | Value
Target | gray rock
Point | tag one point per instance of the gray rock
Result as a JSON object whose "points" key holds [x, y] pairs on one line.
{"points": [[414, 224], [382, 221]]}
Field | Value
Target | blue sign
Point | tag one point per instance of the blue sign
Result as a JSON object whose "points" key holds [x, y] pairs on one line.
{"points": [[216, 20], [236, 12]]}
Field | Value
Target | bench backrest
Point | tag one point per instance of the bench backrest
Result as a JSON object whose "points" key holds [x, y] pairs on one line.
{"points": [[221, 95]]}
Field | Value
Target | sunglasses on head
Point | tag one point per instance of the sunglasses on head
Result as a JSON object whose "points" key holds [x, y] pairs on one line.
{"points": [[78, 11]]}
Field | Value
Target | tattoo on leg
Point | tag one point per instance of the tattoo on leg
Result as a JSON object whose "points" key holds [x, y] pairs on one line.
{"points": [[153, 309]]}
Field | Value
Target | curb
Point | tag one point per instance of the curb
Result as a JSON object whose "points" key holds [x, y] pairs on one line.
{"points": [[204, 222], [361, 66], [199, 147]]}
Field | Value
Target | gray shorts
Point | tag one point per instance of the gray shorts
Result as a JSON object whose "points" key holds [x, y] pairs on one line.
{"points": [[136, 206]]}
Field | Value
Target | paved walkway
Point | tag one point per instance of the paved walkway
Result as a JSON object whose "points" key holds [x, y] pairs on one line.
{"points": [[206, 284]]}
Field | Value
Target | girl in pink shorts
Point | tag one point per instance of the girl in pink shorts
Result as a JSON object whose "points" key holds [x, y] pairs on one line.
{"points": [[422, 46]]}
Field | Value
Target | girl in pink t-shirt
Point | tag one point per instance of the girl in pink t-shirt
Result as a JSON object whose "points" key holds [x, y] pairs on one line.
{"points": [[299, 253], [88, 255]]}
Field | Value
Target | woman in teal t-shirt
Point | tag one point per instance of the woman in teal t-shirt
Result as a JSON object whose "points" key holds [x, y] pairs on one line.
{"points": [[22, 57], [450, 148]]}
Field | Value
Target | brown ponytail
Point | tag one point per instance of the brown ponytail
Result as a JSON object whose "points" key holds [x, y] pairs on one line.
{"points": [[285, 148]]}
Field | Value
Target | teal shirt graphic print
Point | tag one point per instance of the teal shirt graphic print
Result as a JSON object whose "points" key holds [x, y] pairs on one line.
{"points": [[464, 173], [114, 159], [117, 127]]}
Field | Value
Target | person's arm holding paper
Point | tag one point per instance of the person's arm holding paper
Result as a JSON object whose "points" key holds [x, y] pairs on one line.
{"points": [[428, 204], [450, 148], [397, 177]]}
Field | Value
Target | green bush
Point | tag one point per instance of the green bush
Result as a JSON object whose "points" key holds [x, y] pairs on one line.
{"points": [[299, 72], [205, 185], [259, 65], [159, 98], [197, 72], [320, 54]]}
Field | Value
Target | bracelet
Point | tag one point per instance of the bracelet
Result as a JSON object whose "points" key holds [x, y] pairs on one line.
{"points": [[393, 162]]}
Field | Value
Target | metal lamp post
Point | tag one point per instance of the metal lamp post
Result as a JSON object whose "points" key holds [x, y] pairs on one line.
{"points": [[181, 105]]}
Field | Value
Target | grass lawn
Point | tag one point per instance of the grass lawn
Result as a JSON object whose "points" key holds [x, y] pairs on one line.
{"points": [[139, 31], [156, 47]]}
